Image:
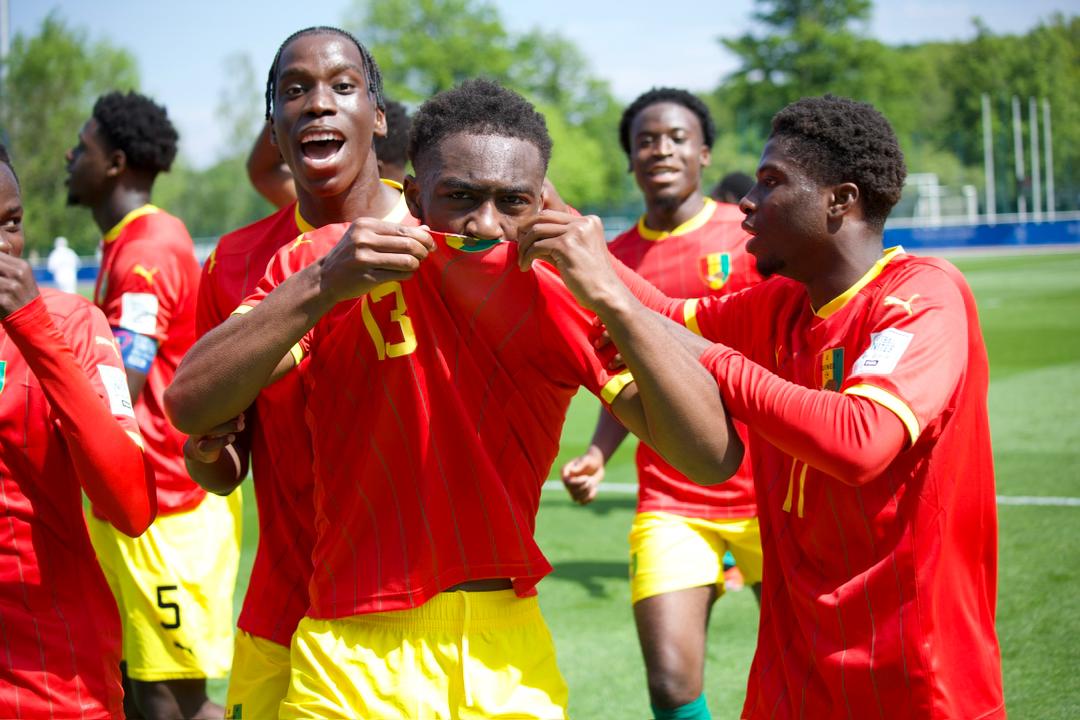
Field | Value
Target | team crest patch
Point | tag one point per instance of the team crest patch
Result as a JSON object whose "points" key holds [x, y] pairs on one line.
{"points": [[715, 268], [832, 369]]}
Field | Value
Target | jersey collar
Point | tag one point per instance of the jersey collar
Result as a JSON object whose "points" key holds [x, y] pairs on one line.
{"points": [[690, 225], [138, 212], [399, 212], [842, 299]]}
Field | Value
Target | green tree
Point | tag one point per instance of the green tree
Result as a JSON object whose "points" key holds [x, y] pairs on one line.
{"points": [[50, 84]]}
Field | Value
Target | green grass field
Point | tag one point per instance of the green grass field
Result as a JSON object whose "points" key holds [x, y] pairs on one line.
{"points": [[1030, 310]]}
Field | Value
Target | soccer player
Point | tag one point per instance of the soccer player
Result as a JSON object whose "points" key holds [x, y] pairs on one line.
{"points": [[66, 425], [862, 376], [437, 379], [687, 245], [173, 584], [273, 178], [322, 83]]}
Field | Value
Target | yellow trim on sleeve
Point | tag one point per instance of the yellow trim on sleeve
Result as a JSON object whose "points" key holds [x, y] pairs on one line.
{"points": [[842, 299], [690, 225], [890, 402], [615, 386], [297, 353], [137, 438], [689, 315], [242, 310], [138, 212]]}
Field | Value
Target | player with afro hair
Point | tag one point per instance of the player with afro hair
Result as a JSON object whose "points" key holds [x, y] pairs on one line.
{"points": [[140, 128], [479, 107], [837, 140]]}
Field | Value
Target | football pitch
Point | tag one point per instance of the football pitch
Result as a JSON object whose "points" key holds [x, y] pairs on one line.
{"points": [[1030, 311]]}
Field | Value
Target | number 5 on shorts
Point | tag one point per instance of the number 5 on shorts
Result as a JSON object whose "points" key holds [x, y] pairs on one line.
{"points": [[161, 590]]}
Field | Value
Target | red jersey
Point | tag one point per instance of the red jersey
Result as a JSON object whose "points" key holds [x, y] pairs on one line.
{"points": [[147, 284], [435, 407], [878, 598], [281, 461], [704, 256], [59, 627]]}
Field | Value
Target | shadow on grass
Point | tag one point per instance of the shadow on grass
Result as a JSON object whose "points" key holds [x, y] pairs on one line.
{"points": [[602, 505], [591, 575]]}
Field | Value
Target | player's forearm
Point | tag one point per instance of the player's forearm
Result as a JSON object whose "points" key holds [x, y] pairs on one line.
{"points": [[226, 369], [109, 465], [686, 419], [608, 435], [848, 437]]}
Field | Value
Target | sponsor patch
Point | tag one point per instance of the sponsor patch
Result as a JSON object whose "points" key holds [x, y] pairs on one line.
{"points": [[138, 313], [116, 388], [886, 349]]}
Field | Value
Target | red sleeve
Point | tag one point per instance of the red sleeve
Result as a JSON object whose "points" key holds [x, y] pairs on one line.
{"points": [[849, 437], [915, 351], [567, 331], [208, 311], [286, 262], [89, 406], [145, 289], [646, 293]]}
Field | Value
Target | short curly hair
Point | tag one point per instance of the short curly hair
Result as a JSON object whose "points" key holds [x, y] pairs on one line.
{"points": [[140, 127], [836, 139], [666, 95], [391, 149], [479, 107], [371, 68]]}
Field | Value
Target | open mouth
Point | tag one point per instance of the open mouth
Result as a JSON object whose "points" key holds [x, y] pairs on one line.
{"points": [[322, 145]]}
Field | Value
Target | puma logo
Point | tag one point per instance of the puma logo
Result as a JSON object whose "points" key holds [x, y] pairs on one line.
{"points": [[147, 275], [906, 304]]}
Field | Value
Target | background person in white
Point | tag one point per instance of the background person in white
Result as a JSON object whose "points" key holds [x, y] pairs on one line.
{"points": [[64, 264]]}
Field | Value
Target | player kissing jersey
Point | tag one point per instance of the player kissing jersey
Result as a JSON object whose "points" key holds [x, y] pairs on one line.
{"points": [[706, 255], [59, 627], [281, 461], [434, 406], [879, 593], [147, 286]]}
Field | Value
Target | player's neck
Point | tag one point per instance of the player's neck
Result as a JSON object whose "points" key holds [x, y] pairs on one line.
{"points": [[369, 197], [847, 264], [665, 216], [122, 200]]}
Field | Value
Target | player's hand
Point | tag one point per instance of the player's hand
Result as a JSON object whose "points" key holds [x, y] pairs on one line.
{"points": [[17, 286], [582, 476], [207, 448], [575, 245], [550, 198], [370, 253]]}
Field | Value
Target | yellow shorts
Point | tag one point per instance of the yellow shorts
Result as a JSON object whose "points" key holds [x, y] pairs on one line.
{"points": [[670, 552], [174, 587], [259, 678], [460, 655]]}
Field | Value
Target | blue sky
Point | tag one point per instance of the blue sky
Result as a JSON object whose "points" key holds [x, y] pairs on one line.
{"points": [[181, 47]]}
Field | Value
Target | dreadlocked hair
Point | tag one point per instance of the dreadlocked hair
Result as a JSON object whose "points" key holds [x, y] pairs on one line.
{"points": [[371, 68]]}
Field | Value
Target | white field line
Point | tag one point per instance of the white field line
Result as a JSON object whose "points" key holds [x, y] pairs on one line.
{"points": [[631, 489]]}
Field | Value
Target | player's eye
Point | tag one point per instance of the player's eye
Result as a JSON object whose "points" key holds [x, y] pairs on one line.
{"points": [[344, 87], [292, 91]]}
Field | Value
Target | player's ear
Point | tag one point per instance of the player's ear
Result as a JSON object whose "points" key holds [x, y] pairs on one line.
{"points": [[411, 188], [380, 123], [706, 155], [116, 163], [843, 199]]}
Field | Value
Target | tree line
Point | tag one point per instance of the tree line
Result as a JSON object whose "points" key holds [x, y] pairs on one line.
{"points": [[931, 92]]}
